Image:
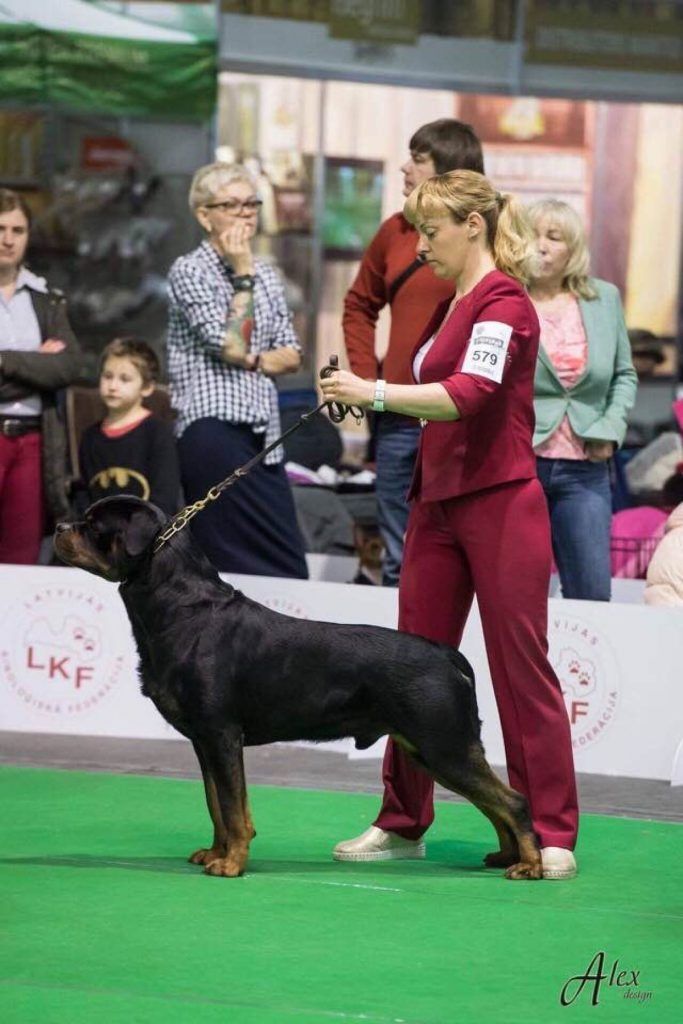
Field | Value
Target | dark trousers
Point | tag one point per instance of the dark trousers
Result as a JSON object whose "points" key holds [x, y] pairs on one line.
{"points": [[21, 499], [252, 527], [495, 544]]}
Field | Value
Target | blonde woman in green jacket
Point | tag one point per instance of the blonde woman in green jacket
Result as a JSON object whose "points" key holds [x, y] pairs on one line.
{"points": [[585, 385]]}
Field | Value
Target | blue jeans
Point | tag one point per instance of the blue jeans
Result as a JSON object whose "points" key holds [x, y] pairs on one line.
{"points": [[580, 504], [395, 452]]}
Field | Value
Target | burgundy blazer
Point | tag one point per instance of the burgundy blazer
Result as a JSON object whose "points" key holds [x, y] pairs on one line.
{"points": [[491, 443]]}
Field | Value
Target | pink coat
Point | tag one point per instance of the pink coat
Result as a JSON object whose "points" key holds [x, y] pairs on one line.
{"points": [[665, 573]]}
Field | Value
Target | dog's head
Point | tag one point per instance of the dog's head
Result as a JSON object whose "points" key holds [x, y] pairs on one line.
{"points": [[114, 538]]}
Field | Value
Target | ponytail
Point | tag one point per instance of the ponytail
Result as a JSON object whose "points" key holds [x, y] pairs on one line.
{"points": [[513, 240], [508, 232]]}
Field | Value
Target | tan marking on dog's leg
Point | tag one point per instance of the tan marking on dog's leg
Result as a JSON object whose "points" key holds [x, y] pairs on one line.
{"points": [[499, 799], [220, 835], [204, 855], [496, 801], [239, 829], [251, 831]]}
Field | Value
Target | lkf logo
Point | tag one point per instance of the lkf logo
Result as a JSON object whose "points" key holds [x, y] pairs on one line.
{"points": [[597, 976], [58, 662], [588, 674]]}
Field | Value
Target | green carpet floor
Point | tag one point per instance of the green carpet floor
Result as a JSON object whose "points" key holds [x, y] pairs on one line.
{"points": [[103, 922]]}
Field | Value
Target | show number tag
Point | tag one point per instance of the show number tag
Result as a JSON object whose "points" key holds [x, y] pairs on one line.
{"points": [[487, 350]]}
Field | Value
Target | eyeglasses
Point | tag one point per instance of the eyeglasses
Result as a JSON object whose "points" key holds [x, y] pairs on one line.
{"points": [[236, 206]]}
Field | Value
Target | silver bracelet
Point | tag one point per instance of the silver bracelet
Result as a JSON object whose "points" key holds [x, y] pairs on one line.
{"points": [[380, 391]]}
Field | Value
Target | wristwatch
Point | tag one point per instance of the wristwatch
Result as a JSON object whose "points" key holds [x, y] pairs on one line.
{"points": [[244, 282], [379, 396]]}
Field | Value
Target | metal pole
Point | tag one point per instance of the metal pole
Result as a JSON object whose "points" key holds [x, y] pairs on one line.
{"points": [[317, 235], [212, 129], [517, 62]]}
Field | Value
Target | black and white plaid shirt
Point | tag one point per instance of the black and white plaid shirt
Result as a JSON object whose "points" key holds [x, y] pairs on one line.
{"points": [[202, 385]]}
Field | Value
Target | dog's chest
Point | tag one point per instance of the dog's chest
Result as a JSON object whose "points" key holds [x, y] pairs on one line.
{"points": [[164, 698]]}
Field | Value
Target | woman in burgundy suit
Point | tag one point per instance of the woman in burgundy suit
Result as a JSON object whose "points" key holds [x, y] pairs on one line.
{"points": [[479, 521]]}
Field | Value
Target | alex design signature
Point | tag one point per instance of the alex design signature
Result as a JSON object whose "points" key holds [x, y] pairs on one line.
{"points": [[595, 976]]}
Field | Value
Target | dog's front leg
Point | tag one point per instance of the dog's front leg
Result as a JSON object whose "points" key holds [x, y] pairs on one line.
{"points": [[219, 845], [223, 758]]}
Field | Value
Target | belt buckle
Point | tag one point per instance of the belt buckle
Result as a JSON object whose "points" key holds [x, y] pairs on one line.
{"points": [[12, 428]]}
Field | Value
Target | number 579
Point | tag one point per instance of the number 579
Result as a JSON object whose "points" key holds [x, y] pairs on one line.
{"points": [[483, 356]]}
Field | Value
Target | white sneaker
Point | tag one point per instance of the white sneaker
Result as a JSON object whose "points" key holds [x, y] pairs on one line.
{"points": [[376, 844], [558, 863]]}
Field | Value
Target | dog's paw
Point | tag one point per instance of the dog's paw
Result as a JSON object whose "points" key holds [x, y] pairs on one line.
{"points": [[501, 858], [226, 867], [205, 856], [525, 871]]}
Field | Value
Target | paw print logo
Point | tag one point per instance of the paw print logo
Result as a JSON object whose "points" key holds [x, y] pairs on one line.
{"points": [[576, 674], [78, 638], [84, 640]]}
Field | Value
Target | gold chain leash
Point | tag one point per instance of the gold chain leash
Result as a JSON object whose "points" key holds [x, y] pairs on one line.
{"points": [[335, 410]]}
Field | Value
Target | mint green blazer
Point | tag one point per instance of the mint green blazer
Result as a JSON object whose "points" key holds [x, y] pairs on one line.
{"points": [[598, 404]]}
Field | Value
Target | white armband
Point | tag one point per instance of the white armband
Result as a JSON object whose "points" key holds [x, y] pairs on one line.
{"points": [[487, 350]]}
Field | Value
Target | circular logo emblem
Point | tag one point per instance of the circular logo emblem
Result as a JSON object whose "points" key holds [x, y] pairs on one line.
{"points": [[587, 669], [60, 660]]}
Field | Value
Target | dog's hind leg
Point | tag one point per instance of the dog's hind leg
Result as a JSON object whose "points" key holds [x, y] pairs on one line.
{"points": [[507, 810], [220, 836], [223, 756]]}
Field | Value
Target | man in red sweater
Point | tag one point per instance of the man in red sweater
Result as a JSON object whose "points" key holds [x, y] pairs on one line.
{"points": [[391, 273]]}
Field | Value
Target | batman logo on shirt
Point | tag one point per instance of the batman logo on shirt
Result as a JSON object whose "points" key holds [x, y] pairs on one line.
{"points": [[121, 477]]}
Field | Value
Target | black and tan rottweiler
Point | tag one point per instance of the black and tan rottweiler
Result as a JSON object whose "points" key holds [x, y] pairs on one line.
{"points": [[226, 671]]}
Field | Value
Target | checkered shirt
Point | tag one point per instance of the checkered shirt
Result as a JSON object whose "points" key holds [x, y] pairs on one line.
{"points": [[202, 385]]}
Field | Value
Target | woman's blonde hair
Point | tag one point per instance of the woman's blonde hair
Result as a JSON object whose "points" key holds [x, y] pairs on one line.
{"points": [[460, 193], [566, 220], [210, 179]]}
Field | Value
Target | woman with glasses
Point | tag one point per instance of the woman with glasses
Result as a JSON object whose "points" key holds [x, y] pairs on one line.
{"points": [[230, 334]]}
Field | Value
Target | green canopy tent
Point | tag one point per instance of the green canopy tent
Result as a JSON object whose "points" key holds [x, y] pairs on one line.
{"points": [[88, 56]]}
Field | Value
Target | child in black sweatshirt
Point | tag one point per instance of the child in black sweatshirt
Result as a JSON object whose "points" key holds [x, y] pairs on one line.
{"points": [[130, 451]]}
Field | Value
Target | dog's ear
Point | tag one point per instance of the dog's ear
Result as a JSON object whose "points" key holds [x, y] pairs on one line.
{"points": [[142, 528]]}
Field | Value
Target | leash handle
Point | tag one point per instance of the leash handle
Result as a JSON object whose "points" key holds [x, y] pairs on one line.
{"points": [[337, 411]]}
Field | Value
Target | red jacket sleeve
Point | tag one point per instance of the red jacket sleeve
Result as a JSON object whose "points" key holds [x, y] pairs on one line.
{"points": [[469, 391], [362, 304]]}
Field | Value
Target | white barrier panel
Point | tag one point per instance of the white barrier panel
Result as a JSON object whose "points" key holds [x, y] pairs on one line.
{"points": [[68, 664]]}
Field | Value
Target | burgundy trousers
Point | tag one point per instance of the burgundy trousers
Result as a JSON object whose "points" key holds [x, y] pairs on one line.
{"points": [[495, 544], [21, 499]]}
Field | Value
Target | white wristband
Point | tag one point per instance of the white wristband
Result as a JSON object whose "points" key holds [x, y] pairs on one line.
{"points": [[378, 400]]}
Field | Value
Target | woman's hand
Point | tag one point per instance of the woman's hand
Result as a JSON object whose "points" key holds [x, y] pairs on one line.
{"points": [[52, 346], [235, 353], [234, 245], [599, 451], [346, 387]]}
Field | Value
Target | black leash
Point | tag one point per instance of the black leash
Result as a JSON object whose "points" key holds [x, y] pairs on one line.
{"points": [[337, 412]]}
